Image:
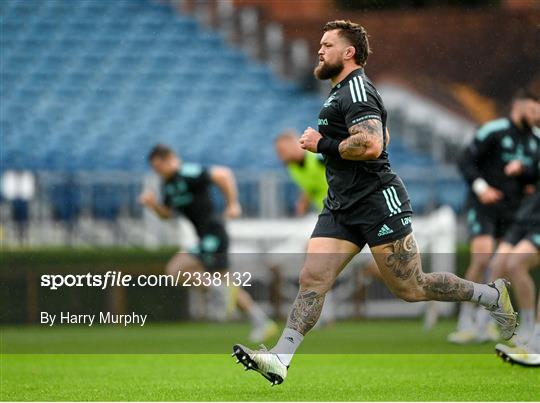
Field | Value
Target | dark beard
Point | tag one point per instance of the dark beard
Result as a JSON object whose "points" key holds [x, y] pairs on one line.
{"points": [[327, 71]]}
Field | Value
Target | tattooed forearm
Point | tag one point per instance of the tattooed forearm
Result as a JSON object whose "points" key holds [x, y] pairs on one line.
{"points": [[306, 310], [365, 141]]}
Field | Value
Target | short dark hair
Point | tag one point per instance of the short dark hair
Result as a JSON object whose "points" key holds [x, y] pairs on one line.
{"points": [[356, 34], [160, 151], [527, 93]]}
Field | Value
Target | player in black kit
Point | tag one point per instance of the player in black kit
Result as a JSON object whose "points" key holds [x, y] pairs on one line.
{"points": [[523, 239], [498, 165], [517, 254], [366, 203], [186, 191]]}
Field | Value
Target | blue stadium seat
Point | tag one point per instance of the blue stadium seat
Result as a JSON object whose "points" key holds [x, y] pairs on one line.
{"points": [[105, 80]]}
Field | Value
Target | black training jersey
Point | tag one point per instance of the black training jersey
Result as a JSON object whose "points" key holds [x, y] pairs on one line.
{"points": [[496, 144], [529, 212], [352, 101], [188, 193]]}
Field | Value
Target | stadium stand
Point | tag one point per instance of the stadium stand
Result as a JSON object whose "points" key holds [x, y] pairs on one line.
{"points": [[101, 92], [91, 85]]}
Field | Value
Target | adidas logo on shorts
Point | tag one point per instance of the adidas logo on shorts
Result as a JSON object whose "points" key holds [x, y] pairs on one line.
{"points": [[385, 230]]}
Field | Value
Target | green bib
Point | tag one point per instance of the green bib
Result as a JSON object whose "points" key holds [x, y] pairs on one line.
{"points": [[311, 178]]}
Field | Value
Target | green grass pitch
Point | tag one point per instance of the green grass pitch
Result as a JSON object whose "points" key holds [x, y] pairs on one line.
{"points": [[437, 372]]}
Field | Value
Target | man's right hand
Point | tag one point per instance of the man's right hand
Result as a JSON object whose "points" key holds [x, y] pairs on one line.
{"points": [[233, 210], [490, 195], [148, 199]]}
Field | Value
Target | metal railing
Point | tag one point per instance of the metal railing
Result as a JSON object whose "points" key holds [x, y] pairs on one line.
{"points": [[101, 208]]}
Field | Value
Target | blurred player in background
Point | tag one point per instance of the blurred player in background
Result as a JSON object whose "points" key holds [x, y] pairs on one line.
{"points": [[498, 165], [516, 254], [305, 169], [186, 191], [367, 203], [521, 255]]}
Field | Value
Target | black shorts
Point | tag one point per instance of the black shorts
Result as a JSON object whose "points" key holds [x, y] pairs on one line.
{"points": [[384, 216], [493, 220], [520, 231], [212, 249]]}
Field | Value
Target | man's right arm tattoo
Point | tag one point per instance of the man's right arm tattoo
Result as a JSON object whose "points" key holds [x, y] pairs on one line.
{"points": [[365, 137], [306, 310]]}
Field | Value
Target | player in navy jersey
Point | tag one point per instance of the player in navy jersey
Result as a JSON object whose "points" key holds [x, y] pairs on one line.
{"points": [[518, 253], [186, 191], [366, 203], [522, 249], [498, 164]]}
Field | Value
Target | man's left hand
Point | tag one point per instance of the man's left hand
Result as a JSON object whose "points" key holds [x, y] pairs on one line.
{"points": [[310, 139]]}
